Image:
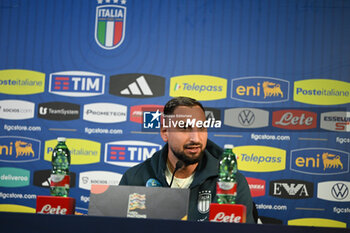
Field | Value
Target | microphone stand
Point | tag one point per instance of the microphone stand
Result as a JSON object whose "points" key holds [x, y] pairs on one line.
{"points": [[178, 165]]}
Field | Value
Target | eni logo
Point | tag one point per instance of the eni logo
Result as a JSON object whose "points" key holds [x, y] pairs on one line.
{"points": [[319, 161], [19, 149], [260, 89], [24, 149]]}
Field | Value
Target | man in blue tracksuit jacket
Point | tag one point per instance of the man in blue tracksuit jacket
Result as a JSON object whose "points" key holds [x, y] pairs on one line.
{"points": [[200, 161]]}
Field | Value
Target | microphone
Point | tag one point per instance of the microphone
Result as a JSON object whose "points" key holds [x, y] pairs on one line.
{"points": [[178, 165]]}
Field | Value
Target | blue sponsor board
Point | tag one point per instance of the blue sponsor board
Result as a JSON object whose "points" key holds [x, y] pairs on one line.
{"points": [[319, 161], [19, 149]]}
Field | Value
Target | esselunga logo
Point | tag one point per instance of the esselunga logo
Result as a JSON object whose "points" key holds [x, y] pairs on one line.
{"points": [[322, 92], [200, 87], [14, 177], [319, 161], [316, 222], [19, 149], [260, 158], [21, 82], [16, 208], [82, 151], [260, 89]]}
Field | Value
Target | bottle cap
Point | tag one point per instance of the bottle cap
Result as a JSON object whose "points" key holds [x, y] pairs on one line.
{"points": [[228, 146], [61, 139]]}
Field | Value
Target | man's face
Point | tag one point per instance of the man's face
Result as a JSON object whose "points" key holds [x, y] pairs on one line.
{"points": [[185, 142]]}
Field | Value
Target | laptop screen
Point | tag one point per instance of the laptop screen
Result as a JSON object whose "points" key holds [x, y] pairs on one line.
{"points": [[138, 202]]}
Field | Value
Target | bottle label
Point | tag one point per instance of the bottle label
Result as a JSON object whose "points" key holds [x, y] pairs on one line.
{"points": [[59, 180], [226, 188]]}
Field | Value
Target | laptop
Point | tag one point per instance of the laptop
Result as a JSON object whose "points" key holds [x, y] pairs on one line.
{"points": [[139, 202]]}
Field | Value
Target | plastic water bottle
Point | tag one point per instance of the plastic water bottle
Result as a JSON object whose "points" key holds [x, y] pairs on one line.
{"points": [[226, 187], [60, 178]]}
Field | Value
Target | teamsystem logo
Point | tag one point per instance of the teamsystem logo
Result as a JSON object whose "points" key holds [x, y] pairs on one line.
{"points": [[77, 83]]}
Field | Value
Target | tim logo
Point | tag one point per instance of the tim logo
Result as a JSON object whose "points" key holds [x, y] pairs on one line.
{"points": [[129, 153], [110, 24], [76, 83], [291, 189], [260, 90], [151, 120], [19, 149], [319, 161]]}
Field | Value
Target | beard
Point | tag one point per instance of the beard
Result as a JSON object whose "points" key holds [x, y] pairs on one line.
{"points": [[187, 159]]}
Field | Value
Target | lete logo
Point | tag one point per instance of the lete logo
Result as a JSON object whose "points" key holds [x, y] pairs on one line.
{"points": [[19, 149], [294, 119]]}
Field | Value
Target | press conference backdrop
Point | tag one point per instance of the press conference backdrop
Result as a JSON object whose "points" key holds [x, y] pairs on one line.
{"points": [[275, 73]]}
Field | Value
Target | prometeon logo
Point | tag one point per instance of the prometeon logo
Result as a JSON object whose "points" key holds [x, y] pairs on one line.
{"points": [[21, 82], [293, 119], [322, 92], [105, 112], [200, 87], [319, 161], [16, 109], [59, 111], [137, 85], [246, 118], [291, 189], [338, 121], [19, 149], [334, 191], [77, 83], [260, 89], [110, 24], [42, 178], [129, 153]]}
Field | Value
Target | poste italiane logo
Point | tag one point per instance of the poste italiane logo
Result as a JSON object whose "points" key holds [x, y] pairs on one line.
{"points": [[82, 151], [322, 92], [200, 87], [260, 89], [21, 82], [316, 222], [110, 23], [16, 208], [260, 158]]}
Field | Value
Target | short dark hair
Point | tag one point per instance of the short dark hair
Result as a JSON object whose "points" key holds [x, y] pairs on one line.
{"points": [[170, 106]]}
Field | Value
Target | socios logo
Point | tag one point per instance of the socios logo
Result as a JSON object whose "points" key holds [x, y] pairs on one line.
{"points": [[260, 89], [319, 161], [19, 149], [16, 208], [77, 83], [110, 24], [105, 112], [16, 109], [257, 187], [129, 153], [322, 92], [291, 189], [59, 111], [316, 222], [136, 112], [334, 191], [14, 177], [200, 87], [86, 179], [336, 121], [82, 151], [137, 85], [246, 118], [294, 119], [260, 158], [21, 82]]}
